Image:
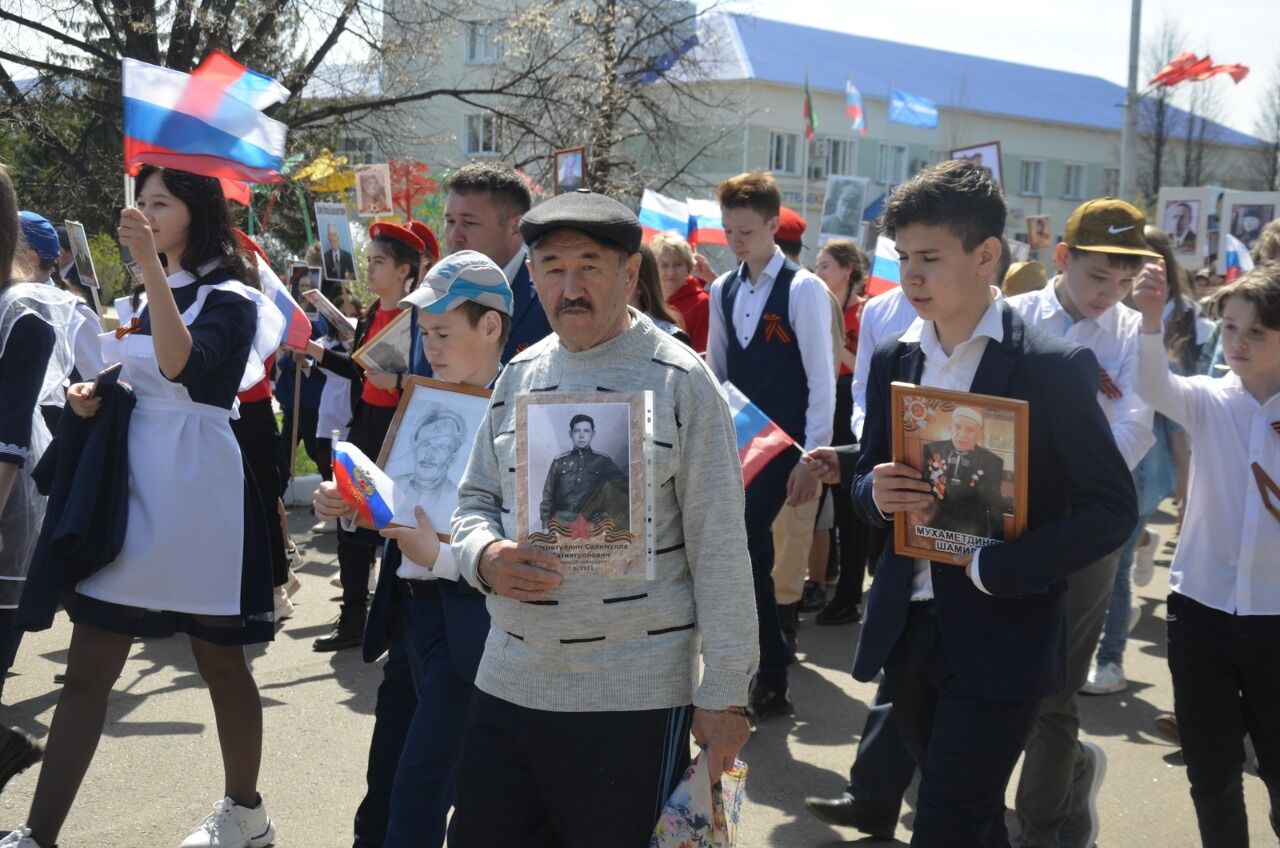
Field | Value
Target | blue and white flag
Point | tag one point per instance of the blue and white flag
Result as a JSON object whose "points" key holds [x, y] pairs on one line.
{"points": [[912, 110]]}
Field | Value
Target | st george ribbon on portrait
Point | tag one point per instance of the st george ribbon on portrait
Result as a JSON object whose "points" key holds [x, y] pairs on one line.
{"points": [[584, 481]]}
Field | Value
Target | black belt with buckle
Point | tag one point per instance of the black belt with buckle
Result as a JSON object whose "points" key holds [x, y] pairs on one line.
{"points": [[417, 588]]}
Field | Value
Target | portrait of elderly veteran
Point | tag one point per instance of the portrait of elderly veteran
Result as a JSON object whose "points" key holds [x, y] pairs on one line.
{"points": [[584, 482], [435, 444], [586, 693], [966, 481]]}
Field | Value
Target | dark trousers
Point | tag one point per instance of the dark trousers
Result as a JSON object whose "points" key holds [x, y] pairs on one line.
{"points": [[10, 639], [1226, 683], [765, 498], [853, 535], [538, 779], [392, 714], [444, 636], [307, 419], [356, 553], [324, 458], [966, 746], [883, 769]]}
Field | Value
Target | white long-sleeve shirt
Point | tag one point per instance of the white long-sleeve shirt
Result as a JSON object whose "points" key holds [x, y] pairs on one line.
{"points": [[1228, 555], [884, 315], [810, 312], [1113, 338]]}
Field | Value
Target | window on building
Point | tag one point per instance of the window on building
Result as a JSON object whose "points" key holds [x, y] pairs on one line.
{"points": [[483, 46], [1111, 182], [1073, 188], [783, 157], [482, 134], [840, 157], [891, 166], [1032, 177], [357, 149]]}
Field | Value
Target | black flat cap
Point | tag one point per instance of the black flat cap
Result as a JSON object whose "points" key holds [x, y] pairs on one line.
{"points": [[600, 217]]}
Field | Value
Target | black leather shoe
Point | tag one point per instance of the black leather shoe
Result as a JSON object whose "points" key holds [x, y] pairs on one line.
{"points": [[348, 632], [846, 812], [18, 755], [814, 598], [768, 703], [839, 613]]}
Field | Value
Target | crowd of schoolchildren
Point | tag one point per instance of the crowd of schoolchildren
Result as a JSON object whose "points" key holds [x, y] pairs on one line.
{"points": [[1145, 385]]}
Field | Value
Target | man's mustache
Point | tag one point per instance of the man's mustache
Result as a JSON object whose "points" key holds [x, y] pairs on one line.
{"points": [[576, 303]]}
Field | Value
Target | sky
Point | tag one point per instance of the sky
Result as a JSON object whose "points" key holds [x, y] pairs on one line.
{"points": [[1085, 36]]}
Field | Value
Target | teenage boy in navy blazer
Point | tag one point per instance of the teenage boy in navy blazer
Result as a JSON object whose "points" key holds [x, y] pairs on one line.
{"points": [[968, 652]]}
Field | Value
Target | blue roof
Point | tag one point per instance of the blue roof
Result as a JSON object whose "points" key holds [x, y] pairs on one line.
{"points": [[780, 52]]}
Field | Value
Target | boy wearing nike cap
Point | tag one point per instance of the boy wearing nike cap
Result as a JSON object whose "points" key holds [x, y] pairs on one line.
{"points": [[421, 612], [1099, 258]]}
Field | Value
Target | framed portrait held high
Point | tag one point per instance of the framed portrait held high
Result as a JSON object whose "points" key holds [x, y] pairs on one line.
{"points": [[337, 256], [972, 450], [1039, 232], [81, 254], [388, 351], [569, 170], [373, 190], [986, 155], [845, 200], [345, 328], [427, 447], [584, 480]]}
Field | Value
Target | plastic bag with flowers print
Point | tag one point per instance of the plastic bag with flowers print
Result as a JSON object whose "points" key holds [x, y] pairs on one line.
{"points": [[700, 814]]}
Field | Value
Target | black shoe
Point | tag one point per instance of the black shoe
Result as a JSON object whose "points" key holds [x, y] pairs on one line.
{"points": [[814, 597], [789, 615], [768, 703], [846, 812], [348, 632], [838, 612], [18, 754]]}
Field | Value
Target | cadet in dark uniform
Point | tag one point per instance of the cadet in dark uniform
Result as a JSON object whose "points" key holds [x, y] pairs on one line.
{"points": [[582, 481], [966, 480]]}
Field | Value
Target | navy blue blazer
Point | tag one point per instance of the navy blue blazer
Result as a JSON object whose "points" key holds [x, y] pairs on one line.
{"points": [[1009, 645]]}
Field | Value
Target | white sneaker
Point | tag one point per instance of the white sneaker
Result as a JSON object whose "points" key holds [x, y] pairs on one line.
{"points": [[1144, 560], [20, 838], [325, 527], [284, 606], [1105, 679], [373, 579], [1135, 613], [294, 583], [233, 826]]}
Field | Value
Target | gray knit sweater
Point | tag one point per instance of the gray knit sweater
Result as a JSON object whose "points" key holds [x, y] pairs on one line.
{"points": [[702, 596]]}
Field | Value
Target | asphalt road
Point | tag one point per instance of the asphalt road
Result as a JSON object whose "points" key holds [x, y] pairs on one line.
{"points": [[157, 770]]}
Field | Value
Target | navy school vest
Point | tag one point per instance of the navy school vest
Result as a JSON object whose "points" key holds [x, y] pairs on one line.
{"points": [[769, 370]]}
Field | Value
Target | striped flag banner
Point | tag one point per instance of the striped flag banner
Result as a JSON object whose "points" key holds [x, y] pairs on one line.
{"points": [[363, 485], [759, 438], [662, 214], [705, 226], [886, 269]]}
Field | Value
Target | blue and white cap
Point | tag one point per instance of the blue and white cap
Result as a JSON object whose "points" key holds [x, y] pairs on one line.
{"points": [[465, 275]]}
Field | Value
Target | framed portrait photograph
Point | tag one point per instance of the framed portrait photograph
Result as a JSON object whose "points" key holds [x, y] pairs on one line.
{"points": [[842, 209], [1248, 219], [583, 478], [569, 171], [987, 155], [337, 256], [81, 254], [427, 447], [1181, 221], [373, 190], [1039, 232], [972, 450], [388, 351], [346, 325]]}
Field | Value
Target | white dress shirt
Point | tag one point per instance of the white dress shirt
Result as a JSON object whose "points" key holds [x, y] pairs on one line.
{"points": [[810, 312], [444, 569], [1113, 338], [884, 315], [1228, 556], [955, 372]]}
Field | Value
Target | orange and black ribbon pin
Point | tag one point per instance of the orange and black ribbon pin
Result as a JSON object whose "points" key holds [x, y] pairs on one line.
{"points": [[1107, 385], [133, 326]]}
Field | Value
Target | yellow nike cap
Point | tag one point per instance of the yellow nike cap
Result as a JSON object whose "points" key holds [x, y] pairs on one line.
{"points": [[1107, 225]]}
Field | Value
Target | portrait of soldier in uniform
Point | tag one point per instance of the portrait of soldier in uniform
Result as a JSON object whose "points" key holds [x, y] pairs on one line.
{"points": [[966, 480], [583, 482], [436, 442]]}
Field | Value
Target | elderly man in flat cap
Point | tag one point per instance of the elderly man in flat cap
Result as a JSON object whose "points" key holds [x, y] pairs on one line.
{"points": [[589, 685]]}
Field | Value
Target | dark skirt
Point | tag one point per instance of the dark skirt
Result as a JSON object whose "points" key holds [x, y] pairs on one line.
{"points": [[259, 440]]}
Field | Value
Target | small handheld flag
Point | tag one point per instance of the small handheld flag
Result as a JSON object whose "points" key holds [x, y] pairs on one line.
{"points": [[363, 485], [705, 225], [886, 268], [296, 330], [1238, 260], [759, 438], [853, 108], [662, 214], [249, 87]]}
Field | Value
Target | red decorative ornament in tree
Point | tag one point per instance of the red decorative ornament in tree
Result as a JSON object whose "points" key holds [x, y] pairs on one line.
{"points": [[410, 182]]}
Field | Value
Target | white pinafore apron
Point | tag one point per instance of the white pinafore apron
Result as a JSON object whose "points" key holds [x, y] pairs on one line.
{"points": [[184, 543]]}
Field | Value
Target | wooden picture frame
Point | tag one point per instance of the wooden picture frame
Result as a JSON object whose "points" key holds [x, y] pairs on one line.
{"points": [[963, 444], [565, 177], [987, 155], [425, 405], [332, 314], [388, 351]]}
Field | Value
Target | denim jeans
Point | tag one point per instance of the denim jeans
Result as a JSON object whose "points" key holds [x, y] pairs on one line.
{"points": [[1115, 632]]}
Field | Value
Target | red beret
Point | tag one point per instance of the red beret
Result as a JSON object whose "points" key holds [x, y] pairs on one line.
{"points": [[386, 229], [791, 226], [423, 232]]}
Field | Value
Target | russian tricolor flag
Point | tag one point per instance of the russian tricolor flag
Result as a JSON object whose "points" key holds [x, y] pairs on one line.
{"points": [[759, 439], [662, 214], [1238, 260], [297, 328], [886, 268], [193, 123], [363, 485], [249, 87], [705, 226], [853, 109]]}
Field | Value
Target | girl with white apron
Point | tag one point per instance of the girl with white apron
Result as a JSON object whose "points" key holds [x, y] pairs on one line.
{"points": [[195, 556]]}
